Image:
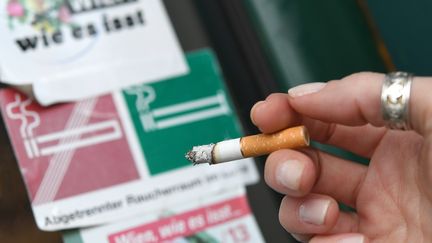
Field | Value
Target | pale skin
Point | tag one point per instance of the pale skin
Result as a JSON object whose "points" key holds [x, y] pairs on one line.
{"points": [[392, 196]]}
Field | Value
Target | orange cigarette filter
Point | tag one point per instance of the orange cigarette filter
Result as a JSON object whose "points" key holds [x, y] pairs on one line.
{"points": [[250, 146], [262, 144]]}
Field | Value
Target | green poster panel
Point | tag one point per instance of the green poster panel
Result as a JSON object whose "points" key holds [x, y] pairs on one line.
{"points": [[173, 115], [72, 236]]}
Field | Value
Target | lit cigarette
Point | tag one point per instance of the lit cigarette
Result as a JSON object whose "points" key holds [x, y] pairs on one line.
{"points": [[250, 146]]}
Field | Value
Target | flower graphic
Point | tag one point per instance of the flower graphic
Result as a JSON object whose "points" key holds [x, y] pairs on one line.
{"points": [[64, 14], [15, 9], [47, 15]]}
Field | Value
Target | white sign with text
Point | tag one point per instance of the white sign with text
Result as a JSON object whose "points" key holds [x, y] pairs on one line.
{"points": [[73, 49]]}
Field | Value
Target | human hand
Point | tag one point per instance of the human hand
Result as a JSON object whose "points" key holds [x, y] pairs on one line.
{"points": [[392, 196]]}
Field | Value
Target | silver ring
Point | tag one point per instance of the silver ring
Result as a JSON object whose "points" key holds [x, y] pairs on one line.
{"points": [[395, 94]]}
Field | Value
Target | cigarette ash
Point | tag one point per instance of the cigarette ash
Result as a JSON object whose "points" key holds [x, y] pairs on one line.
{"points": [[201, 154]]}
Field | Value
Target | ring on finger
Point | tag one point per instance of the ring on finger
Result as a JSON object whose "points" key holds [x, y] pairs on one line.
{"points": [[395, 94]]}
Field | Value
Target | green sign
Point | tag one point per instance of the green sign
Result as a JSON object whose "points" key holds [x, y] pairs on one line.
{"points": [[173, 115]]}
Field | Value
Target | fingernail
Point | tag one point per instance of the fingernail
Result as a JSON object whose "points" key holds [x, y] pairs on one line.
{"points": [[352, 239], [314, 211], [301, 237], [254, 109], [305, 89], [289, 173]]}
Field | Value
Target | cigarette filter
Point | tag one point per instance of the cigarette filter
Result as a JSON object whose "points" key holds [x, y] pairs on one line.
{"points": [[250, 146]]}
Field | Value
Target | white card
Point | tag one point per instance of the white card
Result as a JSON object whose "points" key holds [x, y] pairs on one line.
{"points": [[73, 49]]}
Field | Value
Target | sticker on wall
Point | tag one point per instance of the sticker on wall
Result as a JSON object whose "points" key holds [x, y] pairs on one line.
{"points": [[61, 46], [62, 150]]}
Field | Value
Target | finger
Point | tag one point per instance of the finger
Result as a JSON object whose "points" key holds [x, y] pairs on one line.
{"points": [[353, 100], [290, 172], [275, 113], [315, 214], [302, 237], [297, 173], [420, 105], [356, 100], [340, 238], [360, 140]]}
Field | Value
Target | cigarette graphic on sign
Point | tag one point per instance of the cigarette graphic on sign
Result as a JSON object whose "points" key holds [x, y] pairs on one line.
{"points": [[36, 146], [29, 121], [62, 145], [176, 114]]}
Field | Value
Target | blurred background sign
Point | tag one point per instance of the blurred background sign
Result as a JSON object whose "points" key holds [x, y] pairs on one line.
{"points": [[268, 46]]}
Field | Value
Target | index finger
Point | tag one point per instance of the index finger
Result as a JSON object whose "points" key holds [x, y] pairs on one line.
{"points": [[356, 100], [352, 101]]}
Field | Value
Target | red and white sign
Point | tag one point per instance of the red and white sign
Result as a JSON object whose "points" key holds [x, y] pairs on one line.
{"points": [[224, 217], [185, 224], [60, 149]]}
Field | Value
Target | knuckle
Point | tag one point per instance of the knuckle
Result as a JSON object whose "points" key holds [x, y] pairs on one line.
{"points": [[359, 77]]}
